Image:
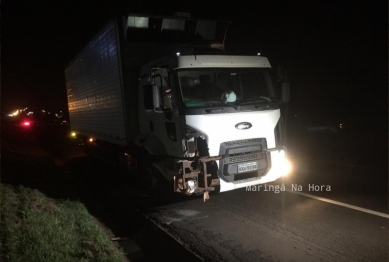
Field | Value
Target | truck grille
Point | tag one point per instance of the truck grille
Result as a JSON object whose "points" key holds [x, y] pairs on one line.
{"points": [[243, 158], [243, 142], [238, 152]]}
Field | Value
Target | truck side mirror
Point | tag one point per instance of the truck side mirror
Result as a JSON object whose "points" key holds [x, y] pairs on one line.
{"points": [[285, 92], [156, 97], [281, 72]]}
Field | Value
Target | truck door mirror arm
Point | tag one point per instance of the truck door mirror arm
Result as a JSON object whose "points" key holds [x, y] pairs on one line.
{"points": [[285, 92], [285, 88]]}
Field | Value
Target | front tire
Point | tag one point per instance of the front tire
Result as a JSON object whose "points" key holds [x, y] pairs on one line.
{"points": [[159, 190]]}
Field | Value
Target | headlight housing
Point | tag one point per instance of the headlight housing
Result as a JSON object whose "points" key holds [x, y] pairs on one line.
{"points": [[191, 145], [279, 162]]}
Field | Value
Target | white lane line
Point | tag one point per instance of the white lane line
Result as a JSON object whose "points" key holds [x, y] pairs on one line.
{"points": [[340, 204], [349, 165]]}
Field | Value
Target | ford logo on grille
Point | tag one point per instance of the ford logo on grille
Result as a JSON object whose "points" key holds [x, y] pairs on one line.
{"points": [[243, 125]]}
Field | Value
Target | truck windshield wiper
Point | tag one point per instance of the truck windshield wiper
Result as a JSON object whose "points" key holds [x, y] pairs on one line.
{"points": [[220, 102], [256, 101], [236, 107]]}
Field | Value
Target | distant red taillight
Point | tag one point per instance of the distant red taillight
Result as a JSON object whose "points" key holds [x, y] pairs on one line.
{"points": [[26, 123]]}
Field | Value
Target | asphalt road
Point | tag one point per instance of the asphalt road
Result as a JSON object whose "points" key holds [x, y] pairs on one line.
{"points": [[268, 224], [322, 212]]}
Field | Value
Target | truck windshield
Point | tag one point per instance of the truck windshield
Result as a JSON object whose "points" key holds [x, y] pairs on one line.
{"points": [[203, 86]]}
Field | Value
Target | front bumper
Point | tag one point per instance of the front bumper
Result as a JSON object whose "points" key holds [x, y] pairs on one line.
{"points": [[278, 166]]}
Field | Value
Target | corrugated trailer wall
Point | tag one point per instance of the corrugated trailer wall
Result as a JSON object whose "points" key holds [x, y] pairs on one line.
{"points": [[93, 82], [102, 83]]}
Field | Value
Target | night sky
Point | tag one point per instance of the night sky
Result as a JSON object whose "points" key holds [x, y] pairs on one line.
{"points": [[335, 51]]}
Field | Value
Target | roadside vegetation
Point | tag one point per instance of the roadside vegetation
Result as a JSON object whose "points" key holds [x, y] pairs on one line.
{"points": [[36, 228]]}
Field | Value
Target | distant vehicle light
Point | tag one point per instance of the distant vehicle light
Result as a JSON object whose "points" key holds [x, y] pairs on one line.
{"points": [[73, 134], [15, 113], [90, 139], [178, 54], [26, 123], [259, 54]]}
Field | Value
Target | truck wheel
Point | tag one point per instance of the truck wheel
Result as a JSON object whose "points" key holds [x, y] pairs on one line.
{"points": [[157, 187], [125, 166], [150, 179]]}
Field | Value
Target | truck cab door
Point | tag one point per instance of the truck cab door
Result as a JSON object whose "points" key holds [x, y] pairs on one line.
{"points": [[164, 120]]}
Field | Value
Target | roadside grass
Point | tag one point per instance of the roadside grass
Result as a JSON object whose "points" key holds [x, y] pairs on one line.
{"points": [[36, 228]]}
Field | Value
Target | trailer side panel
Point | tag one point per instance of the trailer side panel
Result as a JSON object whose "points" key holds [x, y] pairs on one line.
{"points": [[94, 89]]}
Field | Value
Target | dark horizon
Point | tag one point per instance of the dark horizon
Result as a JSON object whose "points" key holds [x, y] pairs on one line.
{"points": [[333, 51]]}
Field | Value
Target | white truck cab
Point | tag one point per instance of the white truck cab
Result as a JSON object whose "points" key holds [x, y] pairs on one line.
{"points": [[217, 114]]}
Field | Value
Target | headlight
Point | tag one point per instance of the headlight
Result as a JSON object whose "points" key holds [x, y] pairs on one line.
{"points": [[280, 164]]}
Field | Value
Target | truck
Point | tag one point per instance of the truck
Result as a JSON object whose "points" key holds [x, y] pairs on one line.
{"points": [[160, 92]]}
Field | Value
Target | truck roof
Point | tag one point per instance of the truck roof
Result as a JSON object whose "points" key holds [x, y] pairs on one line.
{"points": [[175, 29], [192, 61], [174, 17]]}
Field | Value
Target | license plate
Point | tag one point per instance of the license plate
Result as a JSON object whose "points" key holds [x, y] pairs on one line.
{"points": [[247, 167]]}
